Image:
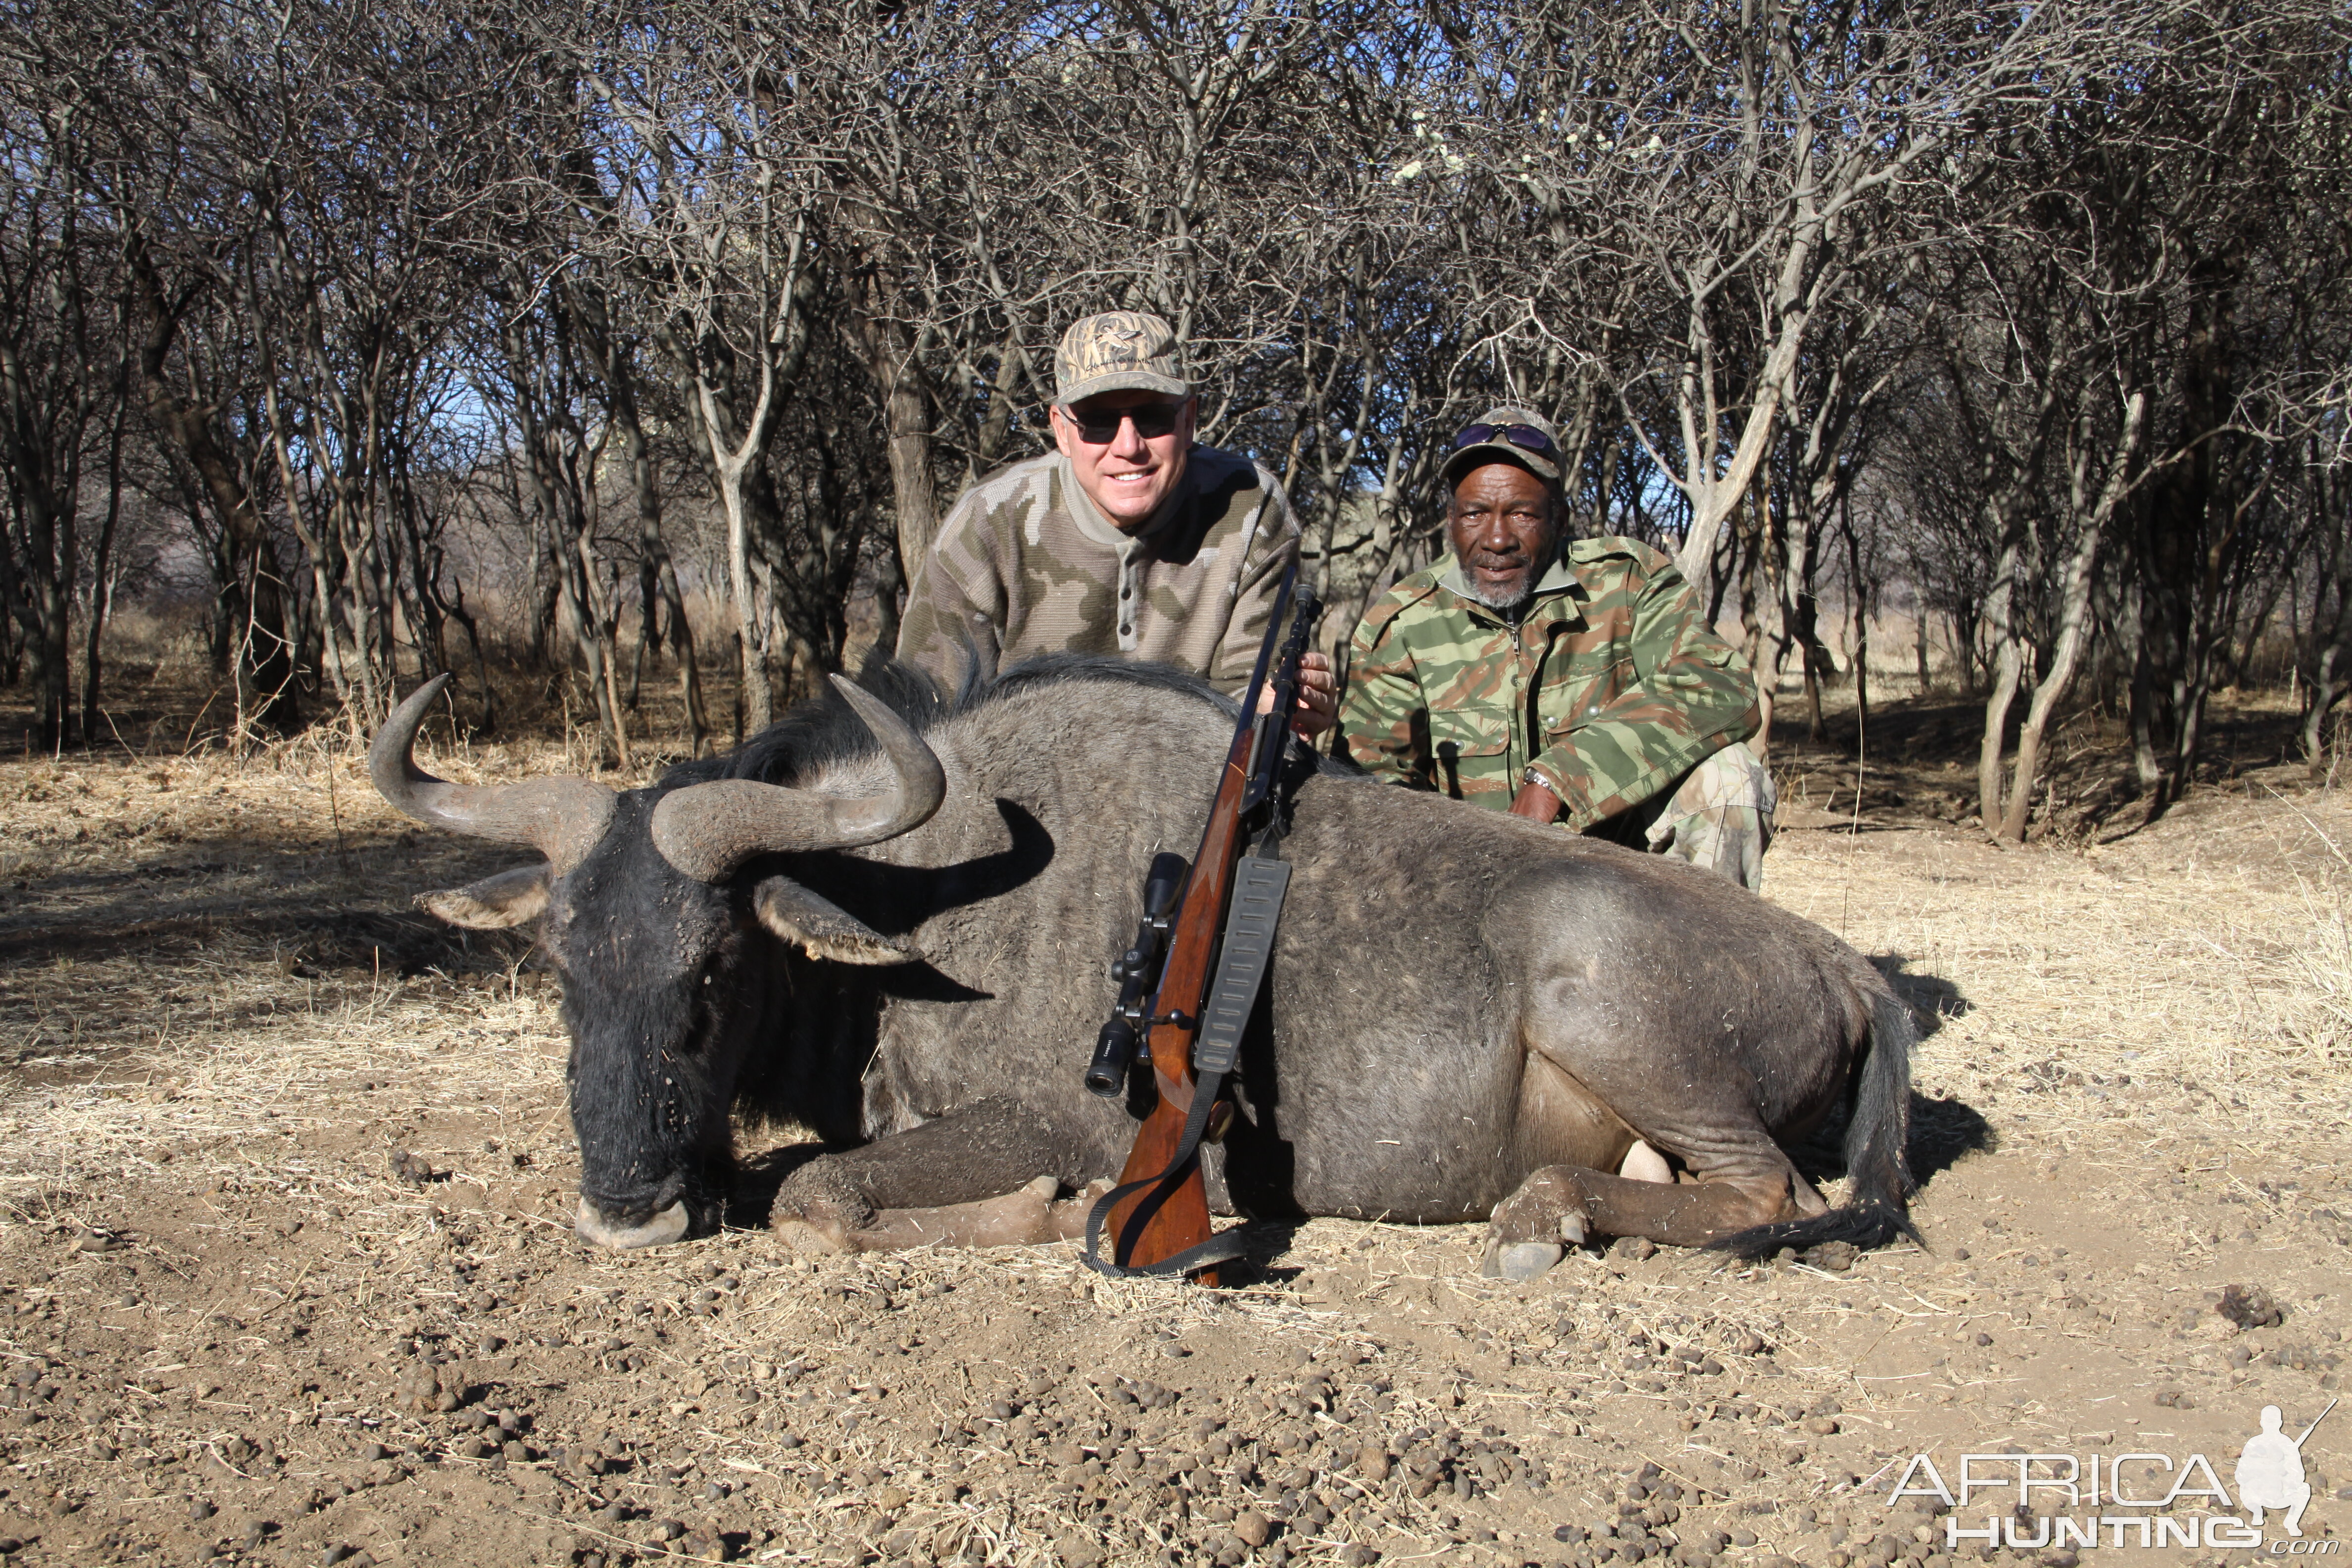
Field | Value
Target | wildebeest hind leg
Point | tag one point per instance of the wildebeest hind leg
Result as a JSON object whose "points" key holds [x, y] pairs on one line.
{"points": [[971, 1179], [1570, 1203]]}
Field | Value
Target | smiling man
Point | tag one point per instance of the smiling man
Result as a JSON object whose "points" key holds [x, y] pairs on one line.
{"points": [[1578, 684], [1127, 539]]}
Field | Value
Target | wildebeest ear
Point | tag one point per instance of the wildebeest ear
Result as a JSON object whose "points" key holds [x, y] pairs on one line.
{"points": [[825, 928], [508, 898]]}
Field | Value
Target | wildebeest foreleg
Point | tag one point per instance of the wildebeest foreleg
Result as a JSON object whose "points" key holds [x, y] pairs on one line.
{"points": [[1569, 1203], [970, 1179], [1028, 1218]]}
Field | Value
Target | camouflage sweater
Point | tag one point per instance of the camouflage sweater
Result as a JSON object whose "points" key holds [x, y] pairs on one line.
{"points": [[1610, 689], [1024, 564]]}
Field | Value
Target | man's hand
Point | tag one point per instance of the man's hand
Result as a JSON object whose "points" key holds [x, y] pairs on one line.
{"points": [[1318, 696], [1535, 803]]}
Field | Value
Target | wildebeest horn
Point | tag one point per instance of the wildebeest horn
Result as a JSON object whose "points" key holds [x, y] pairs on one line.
{"points": [[707, 830], [561, 817]]}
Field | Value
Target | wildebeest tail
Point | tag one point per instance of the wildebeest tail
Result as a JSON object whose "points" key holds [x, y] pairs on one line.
{"points": [[1877, 1208]]}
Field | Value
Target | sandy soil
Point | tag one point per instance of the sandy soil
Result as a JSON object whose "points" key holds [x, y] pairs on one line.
{"points": [[285, 1276]]}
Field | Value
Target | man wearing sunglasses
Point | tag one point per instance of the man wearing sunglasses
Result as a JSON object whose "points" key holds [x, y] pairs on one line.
{"points": [[1127, 539], [1577, 683]]}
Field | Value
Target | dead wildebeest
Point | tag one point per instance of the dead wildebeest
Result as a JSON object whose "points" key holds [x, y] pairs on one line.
{"points": [[888, 918]]}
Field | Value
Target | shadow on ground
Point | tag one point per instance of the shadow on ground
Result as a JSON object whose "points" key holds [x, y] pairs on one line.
{"points": [[310, 907]]}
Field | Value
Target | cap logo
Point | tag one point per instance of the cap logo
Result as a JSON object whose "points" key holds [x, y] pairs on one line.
{"points": [[1118, 351]]}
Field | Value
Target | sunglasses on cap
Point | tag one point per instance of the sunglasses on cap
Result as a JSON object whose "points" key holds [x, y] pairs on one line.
{"points": [[1525, 438], [1101, 427]]}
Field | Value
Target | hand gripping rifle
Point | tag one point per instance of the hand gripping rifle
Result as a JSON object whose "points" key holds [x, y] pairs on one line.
{"points": [[1200, 957]]}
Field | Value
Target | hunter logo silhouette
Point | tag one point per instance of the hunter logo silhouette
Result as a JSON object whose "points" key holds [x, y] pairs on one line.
{"points": [[2270, 1471]]}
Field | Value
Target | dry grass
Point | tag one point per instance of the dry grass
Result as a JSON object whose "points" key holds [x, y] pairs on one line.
{"points": [[219, 1016]]}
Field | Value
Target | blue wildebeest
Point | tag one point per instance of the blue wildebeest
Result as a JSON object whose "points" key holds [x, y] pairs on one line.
{"points": [[888, 918]]}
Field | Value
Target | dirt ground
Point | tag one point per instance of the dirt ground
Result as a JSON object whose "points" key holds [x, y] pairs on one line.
{"points": [[286, 1272]]}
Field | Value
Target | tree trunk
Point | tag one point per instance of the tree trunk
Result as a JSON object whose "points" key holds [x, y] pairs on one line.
{"points": [[656, 561], [252, 607], [906, 430], [2007, 667], [101, 581]]}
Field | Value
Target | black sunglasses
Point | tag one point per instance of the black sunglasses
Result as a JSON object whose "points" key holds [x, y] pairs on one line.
{"points": [[1101, 428], [1525, 438]]}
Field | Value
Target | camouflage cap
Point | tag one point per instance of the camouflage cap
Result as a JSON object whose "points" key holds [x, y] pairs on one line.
{"points": [[1118, 351], [1535, 447]]}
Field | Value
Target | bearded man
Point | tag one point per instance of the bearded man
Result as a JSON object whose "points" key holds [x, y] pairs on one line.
{"points": [[1576, 682]]}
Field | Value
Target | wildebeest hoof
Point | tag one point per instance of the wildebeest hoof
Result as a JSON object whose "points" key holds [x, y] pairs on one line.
{"points": [[1069, 1214], [1571, 1230], [808, 1239], [670, 1225], [1522, 1260], [1024, 1217]]}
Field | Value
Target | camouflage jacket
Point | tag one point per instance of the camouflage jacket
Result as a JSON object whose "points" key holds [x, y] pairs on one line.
{"points": [[1024, 564], [1610, 689]]}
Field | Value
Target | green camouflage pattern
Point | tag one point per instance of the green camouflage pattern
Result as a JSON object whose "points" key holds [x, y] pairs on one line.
{"points": [[1024, 564], [1720, 818], [1610, 690]]}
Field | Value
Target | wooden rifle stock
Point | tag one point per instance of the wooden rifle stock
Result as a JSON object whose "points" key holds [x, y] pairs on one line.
{"points": [[1180, 1219]]}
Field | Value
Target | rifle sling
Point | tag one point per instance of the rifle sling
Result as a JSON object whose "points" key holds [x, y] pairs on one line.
{"points": [[1221, 1248], [1260, 883]]}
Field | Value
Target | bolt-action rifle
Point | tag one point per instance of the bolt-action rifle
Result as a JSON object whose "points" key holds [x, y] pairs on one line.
{"points": [[1199, 958]]}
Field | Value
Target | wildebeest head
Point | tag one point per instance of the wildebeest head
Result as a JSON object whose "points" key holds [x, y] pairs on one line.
{"points": [[658, 904]]}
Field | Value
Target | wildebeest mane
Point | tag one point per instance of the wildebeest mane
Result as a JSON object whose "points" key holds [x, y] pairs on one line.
{"points": [[825, 732]]}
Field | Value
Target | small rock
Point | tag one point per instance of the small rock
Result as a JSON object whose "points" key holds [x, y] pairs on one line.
{"points": [[1253, 1527], [1821, 1426], [1078, 1551], [2250, 1306], [412, 1169], [1372, 1460]]}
